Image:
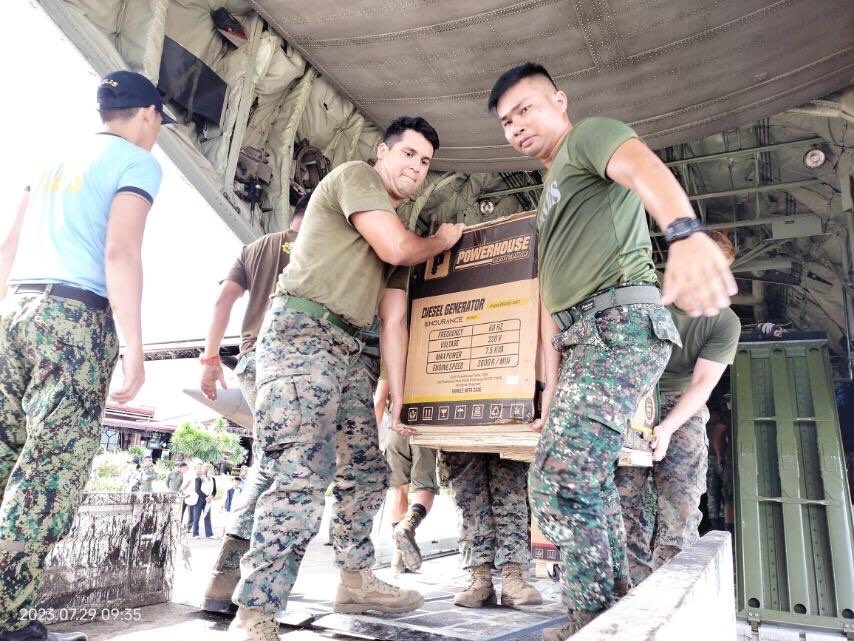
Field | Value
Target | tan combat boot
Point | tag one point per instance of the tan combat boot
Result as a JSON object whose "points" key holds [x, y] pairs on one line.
{"points": [[514, 589], [360, 591], [480, 591], [253, 625], [397, 564], [577, 620], [404, 537], [224, 576]]}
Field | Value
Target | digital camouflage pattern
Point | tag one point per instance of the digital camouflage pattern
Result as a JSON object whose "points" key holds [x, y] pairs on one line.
{"points": [[616, 535], [241, 517], [245, 372], [610, 361], [490, 494], [314, 424], [640, 528], [56, 359], [714, 489], [678, 482]]}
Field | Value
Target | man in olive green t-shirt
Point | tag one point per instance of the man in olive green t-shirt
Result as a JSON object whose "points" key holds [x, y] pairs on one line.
{"points": [[601, 311], [314, 420], [681, 448]]}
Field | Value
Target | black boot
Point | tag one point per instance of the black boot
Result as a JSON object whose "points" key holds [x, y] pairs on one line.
{"points": [[35, 631]]}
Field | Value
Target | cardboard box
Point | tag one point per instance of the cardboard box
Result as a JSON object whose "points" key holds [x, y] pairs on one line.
{"points": [[473, 347], [544, 554], [474, 328]]}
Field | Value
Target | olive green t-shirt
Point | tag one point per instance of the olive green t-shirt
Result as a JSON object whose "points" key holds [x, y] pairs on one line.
{"points": [[714, 338], [593, 231], [256, 270], [331, 263]]}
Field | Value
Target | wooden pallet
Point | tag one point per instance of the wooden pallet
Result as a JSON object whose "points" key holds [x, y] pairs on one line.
{"points": [[514, 442]]}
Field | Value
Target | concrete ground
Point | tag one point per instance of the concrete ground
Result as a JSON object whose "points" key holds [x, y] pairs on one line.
{"points": [[311, 600]]}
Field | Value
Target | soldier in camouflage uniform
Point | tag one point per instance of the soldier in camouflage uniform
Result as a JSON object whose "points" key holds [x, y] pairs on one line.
{"points": [[489, 493], [255, 271], [411, 468], [314, 420], [73, 251], [714, 483], [681, 445], [601, 312]]}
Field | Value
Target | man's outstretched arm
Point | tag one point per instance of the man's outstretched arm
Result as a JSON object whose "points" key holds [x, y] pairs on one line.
{"points": [[211, 373], [394, 344], [9, 243], [696, 267], [123, 265]]}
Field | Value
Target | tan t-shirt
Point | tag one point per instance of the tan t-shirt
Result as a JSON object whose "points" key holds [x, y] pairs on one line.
{"points": [[331, 263], [256, 270]]}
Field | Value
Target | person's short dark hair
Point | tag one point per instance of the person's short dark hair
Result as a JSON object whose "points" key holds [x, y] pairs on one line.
{"points": [[109, 115], [512, 77], [235, 478], [396, 129], [302, 203]]}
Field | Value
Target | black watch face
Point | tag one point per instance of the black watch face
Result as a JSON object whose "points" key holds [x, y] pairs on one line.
{"points": [[681, 228]]}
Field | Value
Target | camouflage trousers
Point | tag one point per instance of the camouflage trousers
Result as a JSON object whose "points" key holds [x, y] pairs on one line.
{"points": [[245, 372], [314, 424], [56, 359], [714, 489], [610, 361], [491, 498], [679, 481]]}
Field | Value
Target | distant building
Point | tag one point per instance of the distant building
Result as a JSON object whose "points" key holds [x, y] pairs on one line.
{"points": [[125, 426]]}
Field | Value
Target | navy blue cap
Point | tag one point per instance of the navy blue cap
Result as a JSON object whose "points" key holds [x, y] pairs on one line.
{"points": [[126, 90]]}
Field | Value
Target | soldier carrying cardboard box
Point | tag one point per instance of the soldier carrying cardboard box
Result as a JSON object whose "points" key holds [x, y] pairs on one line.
{"points": [[602, 307], [681, 448]]}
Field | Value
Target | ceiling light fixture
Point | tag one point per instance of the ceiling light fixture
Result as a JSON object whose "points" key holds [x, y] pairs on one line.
{"points": [[814, 158]]}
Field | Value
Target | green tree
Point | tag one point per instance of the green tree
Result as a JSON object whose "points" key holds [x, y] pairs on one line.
{"points": [[231, 449], [211, 445], [228, 444], [194, 441]]}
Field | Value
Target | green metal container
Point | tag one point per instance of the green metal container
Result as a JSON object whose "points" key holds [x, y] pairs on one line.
{"points": [[793, 529]]}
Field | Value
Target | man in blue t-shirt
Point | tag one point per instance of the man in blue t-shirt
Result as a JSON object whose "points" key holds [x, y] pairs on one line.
{"points": [[72, 259]]}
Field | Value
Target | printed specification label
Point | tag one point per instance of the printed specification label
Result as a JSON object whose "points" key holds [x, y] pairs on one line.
{"points": [[469, 348]]}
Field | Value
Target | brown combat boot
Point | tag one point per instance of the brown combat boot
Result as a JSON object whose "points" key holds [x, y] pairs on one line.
{"points": [[360, 591], [514, 589], [224, 576], [397, 564], [577, 620], [480, 591], [404, 537], [253, 625]]}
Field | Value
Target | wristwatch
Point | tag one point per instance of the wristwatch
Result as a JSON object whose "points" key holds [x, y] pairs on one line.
{"points": [[681, 228]]}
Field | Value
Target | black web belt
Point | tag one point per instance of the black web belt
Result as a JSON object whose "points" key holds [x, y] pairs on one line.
{"points": [[90, 299], [626, 295]]}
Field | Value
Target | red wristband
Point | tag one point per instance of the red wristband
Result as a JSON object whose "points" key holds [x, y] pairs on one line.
{"points": [[209, 360]]}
